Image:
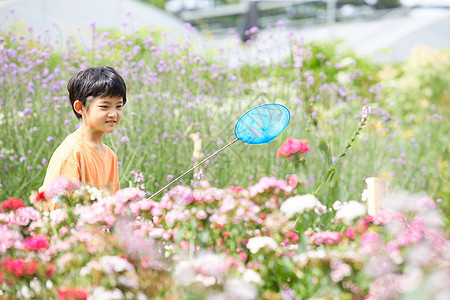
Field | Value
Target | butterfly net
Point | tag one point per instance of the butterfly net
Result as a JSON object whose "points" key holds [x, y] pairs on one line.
{"points": [[262, 124]]}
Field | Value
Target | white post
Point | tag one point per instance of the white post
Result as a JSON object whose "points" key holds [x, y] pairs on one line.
{"points": [[377, 189]]}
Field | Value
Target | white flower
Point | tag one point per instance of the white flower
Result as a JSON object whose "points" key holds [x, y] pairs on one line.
{"points": [[26, 292], [237, 289], [350, 211], [347, 61], [337, 205], [365, 112], [251, 276], [101, 293], [184, 273], [365, 195], [205, 280], [299, 204], [259, 242], [117, 264], [320, 209], [128, 282]]}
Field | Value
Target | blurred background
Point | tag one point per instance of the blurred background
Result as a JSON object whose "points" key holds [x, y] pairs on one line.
{"points": [[384, 30]]}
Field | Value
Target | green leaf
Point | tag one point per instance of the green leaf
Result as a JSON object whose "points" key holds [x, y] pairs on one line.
{"points": [[323, 147]]}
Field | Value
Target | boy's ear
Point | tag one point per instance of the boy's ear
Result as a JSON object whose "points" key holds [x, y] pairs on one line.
{"points": [[79, 107]]}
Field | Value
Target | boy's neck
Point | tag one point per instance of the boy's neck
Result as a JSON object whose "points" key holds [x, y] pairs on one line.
{"points": [[92, 138]]}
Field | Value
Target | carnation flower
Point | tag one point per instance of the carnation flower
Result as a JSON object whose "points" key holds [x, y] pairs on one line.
{"points": [[26, 214], [36, 243], [59, 186], [8, 238], [266, 183], [206, 268], [326, 237], [350, 211], [19, 267], [299, 204], [72, 294], [261, 242], [291, 147], [12, 204]]}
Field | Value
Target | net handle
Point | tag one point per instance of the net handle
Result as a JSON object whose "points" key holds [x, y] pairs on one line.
{"points": [[192, 168]]}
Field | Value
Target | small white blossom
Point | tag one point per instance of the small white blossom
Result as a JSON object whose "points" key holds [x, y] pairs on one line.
{"points": [[350, 211], [251, 276], [365, 195], [260, 242], [365, 112], [299, 204], [337, 205]]}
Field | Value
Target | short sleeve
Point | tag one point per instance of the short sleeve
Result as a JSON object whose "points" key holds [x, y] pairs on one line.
{"points": [[67, 168]]}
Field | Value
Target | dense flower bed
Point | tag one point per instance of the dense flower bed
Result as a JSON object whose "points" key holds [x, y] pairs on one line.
{"points": [[201, 242]]}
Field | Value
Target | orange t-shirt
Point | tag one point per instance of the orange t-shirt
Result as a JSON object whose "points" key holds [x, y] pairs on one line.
{"points": [[74, 157]]}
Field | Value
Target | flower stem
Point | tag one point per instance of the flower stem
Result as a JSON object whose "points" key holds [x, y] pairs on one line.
{"points": [[332, 170]]}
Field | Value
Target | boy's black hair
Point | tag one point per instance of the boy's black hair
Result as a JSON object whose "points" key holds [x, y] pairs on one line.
{"points": [[96, 82]]}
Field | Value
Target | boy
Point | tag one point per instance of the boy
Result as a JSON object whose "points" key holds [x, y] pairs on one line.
{"points": [[97, 96]]}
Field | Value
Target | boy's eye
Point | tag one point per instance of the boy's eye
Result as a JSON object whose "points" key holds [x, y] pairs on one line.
{"points": [[103, 106], [119, 106]]}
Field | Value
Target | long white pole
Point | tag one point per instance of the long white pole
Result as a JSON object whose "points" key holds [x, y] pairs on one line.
{"points": [[185, 173]]}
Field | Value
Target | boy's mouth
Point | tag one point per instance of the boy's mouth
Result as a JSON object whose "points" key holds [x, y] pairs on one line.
{"points": [[111, 121]]}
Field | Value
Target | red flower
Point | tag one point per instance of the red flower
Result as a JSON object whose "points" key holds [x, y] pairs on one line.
{"points": [[292, 235], [40, 196], [72, 294], [292, 146], [51, 270], [19, 267], [12, 203]]}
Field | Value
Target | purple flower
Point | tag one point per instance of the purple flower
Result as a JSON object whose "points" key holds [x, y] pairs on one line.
{"points": [[49, 139], [124, 139], [27, 111]]}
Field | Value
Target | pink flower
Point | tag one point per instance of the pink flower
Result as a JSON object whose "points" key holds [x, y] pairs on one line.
{"points": [[8, 238], [181, 195], [156, 211], [266, 183], [422, 202], [228, 204], [60, 185], [26, 214], [350, 232], [385, 216], [326, 237], [201, 214], [36, 243], [128, 194], [369, 238], [293, 180], [292, 146]]}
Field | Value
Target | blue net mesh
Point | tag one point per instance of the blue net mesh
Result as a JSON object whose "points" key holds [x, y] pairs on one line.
{"points": [[262, 124]]}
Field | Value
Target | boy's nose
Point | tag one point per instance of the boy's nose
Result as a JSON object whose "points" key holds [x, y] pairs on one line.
{"points": [[112, 114]]}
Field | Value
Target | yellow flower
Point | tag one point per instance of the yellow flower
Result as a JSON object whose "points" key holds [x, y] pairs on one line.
{"points": [[385, 175], [408, 133]]}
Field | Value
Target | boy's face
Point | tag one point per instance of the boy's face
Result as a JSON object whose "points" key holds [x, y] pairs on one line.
{"points": [[103, 114]]}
